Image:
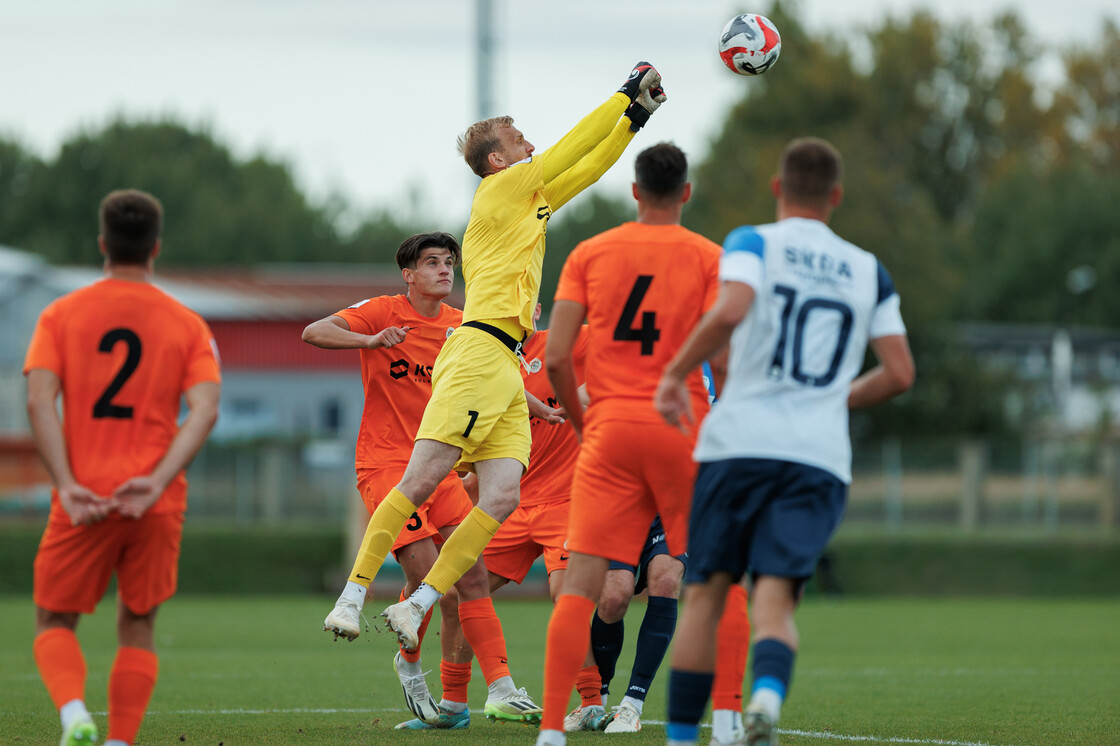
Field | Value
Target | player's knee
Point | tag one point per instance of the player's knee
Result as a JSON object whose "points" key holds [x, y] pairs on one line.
{"points": [[612, 606], [474, 584]]}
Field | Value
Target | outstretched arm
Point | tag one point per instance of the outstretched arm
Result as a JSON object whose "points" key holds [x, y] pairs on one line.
{"points": [[333, 333], [589, 168], [583, 138]]}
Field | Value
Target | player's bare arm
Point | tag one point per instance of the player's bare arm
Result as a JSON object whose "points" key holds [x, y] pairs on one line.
{"points": [[567, 317], [82, 505], [708, 339], [892, 376], [542, 411], [333, 333], [133, 498]]}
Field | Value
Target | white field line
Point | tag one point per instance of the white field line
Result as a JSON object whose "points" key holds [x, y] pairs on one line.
{"points": [[365, 711]]}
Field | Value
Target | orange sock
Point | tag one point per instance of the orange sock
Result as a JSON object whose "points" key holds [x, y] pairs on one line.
{"points": [[131, 681], [61, 665], [732, 642], [454, 677], [413, 656], [589, 686], [569, 635], [483, 631]]}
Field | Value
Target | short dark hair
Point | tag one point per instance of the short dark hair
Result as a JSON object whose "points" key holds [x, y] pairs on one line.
{"points": [[409, 252], [661, 172], [131, 222], [810, 168]]}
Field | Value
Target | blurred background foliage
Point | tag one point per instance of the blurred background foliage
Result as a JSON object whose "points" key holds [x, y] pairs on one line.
{"points": [[978, 174]]}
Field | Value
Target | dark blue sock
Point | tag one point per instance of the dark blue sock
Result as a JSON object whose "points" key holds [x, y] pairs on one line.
{"points": [[688, 699], [653, 640], [772, 666], [606, 646]]}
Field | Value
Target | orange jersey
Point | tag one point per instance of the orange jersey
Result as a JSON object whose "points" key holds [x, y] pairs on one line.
{"points": [[397, 379], [555, 447], [124, 352], [644, 288]]}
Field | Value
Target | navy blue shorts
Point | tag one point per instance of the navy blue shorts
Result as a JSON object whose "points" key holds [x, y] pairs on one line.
{"points": [[762, 516], [655, 545]]}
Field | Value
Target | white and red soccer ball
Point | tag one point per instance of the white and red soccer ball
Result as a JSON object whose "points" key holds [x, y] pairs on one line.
{"points": [[750, 44]]}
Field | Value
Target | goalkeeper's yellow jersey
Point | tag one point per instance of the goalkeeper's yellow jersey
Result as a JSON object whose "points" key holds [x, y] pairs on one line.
{"points": [[503, 247]]}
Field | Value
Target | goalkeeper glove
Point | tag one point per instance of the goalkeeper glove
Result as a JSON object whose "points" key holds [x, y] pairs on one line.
{"points": [[642, 78], [646, 103]]}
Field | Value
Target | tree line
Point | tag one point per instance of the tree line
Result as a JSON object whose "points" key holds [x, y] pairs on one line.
{"points": [[981, 183]]}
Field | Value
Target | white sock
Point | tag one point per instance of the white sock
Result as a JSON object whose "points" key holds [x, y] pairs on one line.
{"points": [[635, 703], [425, 597], [727, 725], [73, 711], [115, 742], [355, 593], [453, 707], [767, 700], [408, 668], [501, 687], [552, 738]]}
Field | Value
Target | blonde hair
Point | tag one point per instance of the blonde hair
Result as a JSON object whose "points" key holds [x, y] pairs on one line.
{"points": [[480, 140]]}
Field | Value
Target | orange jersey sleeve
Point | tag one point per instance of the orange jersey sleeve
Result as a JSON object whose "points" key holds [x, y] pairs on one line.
{"points": [[644, 287], [124, 352], [397, 379], [555, 447]]}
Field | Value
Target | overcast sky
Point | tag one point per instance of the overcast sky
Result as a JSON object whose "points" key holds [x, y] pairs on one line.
{"points": [[366, 97]]}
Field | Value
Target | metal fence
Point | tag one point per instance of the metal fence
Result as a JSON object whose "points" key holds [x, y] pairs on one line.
{"points": [[1042, 484]]}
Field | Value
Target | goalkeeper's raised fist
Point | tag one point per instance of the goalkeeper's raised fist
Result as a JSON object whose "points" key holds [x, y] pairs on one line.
{"points": [[642, 78], [646, 103]]}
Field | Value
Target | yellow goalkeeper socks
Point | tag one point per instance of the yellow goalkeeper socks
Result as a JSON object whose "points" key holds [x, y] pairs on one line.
{"points": [[461, 550], [384, 526]]}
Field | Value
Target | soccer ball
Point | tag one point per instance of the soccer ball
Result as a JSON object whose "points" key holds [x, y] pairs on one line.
{"points": [[750, 44]]}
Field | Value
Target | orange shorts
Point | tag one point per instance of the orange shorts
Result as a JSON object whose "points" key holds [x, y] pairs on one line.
{"points": [[618, 488], [74, 563], [524, 536], [447, 506]]}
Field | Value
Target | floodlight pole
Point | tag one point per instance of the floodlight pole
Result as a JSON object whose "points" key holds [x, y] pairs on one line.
{"points": [[484, 57]]}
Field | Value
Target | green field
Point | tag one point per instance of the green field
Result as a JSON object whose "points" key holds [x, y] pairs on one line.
{"points": [[259, 671]]}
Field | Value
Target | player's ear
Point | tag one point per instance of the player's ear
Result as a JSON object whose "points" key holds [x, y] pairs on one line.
{"points": [[155, 249], [101, 245], [776, 186], [686, 193], [634, 191], [836, 195], [497, 162]]}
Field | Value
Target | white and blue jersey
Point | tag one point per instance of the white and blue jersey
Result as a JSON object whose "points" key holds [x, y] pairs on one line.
{"points": [[818, 301]]}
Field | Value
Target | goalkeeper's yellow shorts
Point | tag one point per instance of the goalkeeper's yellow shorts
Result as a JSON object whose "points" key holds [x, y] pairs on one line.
{"points": [[478, 400]]}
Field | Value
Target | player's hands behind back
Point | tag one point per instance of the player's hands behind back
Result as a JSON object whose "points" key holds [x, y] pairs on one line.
{"points": [[133, 498], [83, 507], [643, 77]]}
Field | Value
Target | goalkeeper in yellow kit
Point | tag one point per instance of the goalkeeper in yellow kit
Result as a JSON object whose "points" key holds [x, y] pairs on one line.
{"points": [[478, 418]]}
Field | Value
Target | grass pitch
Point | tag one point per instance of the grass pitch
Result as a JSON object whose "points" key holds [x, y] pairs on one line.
{"points": [[260, 671]]}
